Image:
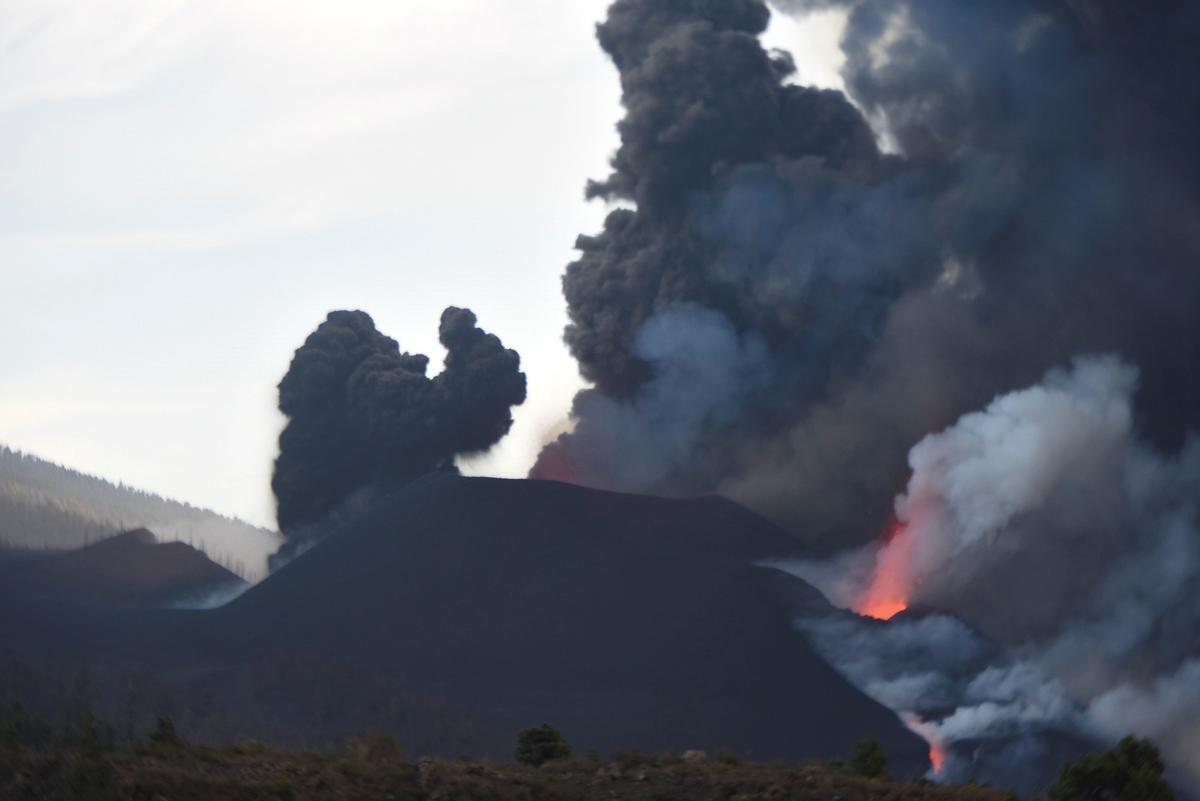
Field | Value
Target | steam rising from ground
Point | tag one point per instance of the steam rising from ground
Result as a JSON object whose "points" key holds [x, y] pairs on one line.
{"points": [[1050, 527]]}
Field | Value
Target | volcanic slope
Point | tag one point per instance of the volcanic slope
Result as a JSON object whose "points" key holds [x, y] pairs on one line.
{"points": [[627, 621]]}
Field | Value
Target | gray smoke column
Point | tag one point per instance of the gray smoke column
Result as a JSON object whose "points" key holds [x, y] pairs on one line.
{"points": [[1041, 202], [364, 415], [733, 172]]}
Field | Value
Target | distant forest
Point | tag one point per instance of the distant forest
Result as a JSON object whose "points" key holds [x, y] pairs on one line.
{"points": [[46, 506]]}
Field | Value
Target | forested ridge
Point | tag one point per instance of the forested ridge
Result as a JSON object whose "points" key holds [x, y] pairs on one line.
{"points": [[47, 506]]}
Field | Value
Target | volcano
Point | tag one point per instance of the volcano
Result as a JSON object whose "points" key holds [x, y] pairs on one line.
{"points": [[457, 611]]}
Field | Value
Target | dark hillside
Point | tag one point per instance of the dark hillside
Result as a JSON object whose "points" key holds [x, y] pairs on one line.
{"points": [[624, 619], [46, 506], [130, 570], [458, 611]]}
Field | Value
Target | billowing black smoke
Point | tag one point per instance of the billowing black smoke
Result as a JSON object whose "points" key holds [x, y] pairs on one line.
{"points": [[800, 286], [363, 415], [1041, 203]]}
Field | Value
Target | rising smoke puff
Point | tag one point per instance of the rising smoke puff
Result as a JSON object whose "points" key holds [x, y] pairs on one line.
{"points": [[891, 293], [362, 414], [705, 103], [703, 372]]}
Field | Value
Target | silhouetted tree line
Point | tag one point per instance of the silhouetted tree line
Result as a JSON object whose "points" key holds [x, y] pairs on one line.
{"points": [[77, 757], [289, 700]]}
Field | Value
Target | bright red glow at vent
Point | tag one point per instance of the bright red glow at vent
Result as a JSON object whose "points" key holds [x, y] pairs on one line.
{"points": [[887, 594], [937, 758]]}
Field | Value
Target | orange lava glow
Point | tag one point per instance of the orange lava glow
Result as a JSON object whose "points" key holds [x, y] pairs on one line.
{"points": [[928, 733], [887, 594], [882, 607], [937, 757], [553, 464]]}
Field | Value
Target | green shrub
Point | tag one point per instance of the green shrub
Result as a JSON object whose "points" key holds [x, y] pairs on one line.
{"points": [[1133, 771], [250, 747], [93, 777], [728, 758], [869, 760], [93, 738], [540, 744], [164, 734], [283, 791], [94, 780]]}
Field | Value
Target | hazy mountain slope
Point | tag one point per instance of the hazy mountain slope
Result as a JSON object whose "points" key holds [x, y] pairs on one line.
{"points": [[44, 505], [129, 570]]}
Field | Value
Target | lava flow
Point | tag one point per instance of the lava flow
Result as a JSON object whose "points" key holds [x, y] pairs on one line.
{"points": [[887, 594], [937, 753], [937, 758]]}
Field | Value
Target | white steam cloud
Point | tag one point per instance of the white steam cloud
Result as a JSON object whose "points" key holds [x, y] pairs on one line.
{"points": [[1069, 549]]}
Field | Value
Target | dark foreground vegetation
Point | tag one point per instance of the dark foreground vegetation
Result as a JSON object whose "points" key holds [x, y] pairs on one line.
{"points": [[373, 768], [85, 760]]}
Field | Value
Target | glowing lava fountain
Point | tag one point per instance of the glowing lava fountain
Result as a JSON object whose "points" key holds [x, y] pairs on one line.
{"points": [[937, 757], [887, 594]]}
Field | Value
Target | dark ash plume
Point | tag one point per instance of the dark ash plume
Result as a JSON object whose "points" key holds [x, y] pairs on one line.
{"points": [[363, 414], [1042, 203], [1004, 187], [765, 208]]}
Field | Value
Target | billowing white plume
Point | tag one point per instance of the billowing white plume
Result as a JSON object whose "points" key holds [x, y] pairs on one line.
{"points": [[1048, 526]]}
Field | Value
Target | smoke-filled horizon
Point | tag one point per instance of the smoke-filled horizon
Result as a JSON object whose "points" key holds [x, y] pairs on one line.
{"points": [[799, 288]]}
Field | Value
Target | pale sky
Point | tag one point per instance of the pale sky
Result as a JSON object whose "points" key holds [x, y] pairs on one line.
{"points": [[187, 187]]}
